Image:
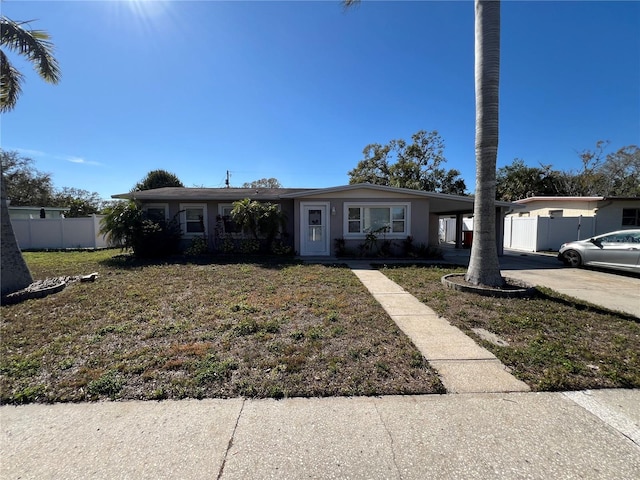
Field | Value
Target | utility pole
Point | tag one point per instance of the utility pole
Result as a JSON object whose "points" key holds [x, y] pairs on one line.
{"points": [[226, 182]]}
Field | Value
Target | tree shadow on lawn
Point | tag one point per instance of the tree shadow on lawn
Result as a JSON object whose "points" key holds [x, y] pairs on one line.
{"points": [[542, 293], [580, 305], [129, 262]]}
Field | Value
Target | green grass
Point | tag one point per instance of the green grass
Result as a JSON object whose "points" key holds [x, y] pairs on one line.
{"points": [[555, 342], [174, 329]]}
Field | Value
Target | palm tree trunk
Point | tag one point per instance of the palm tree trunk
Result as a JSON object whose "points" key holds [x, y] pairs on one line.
{"points": [[14, 273], [484, 268]]}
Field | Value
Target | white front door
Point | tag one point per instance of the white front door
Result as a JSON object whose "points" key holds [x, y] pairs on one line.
{"points": [[314, 225]]}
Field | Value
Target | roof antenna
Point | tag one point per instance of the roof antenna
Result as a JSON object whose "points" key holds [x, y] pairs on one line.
{"points": [[226, 182]]}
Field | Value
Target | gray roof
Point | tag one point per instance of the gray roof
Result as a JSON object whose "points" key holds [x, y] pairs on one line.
{"points": [[204, 194], [440, 203]]}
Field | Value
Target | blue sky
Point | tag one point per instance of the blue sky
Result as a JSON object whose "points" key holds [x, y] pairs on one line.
{"points": [[295, 90]]}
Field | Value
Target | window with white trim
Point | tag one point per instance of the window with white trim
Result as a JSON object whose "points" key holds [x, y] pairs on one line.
{"points": [[389, 219], [228, 224], [193, 219], [156, 211]]}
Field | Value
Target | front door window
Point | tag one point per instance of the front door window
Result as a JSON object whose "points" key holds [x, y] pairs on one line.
{"points": [[315, 226], [315, 230]]}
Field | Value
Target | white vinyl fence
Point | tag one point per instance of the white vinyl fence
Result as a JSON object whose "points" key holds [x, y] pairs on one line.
{"points": [[448, 228], [53, 233], [534, 234], [530, 234]]}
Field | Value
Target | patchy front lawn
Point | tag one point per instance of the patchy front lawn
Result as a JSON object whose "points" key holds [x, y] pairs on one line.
{"points": [[174, 330], [555, 342]]}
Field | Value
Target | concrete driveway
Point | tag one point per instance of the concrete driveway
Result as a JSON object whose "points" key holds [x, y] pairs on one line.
{"points": [[609, 289]]}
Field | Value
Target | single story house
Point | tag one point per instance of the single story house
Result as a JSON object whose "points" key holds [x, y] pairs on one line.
{"points": [[316, 217], [608, 213], [545, 223]]}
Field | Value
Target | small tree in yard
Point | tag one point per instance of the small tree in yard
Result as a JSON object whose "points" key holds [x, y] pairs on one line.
{"points": [[262, 220], [127, 226]]}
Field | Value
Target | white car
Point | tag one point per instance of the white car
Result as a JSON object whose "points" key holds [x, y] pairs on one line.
{"points": [[619, 250]]}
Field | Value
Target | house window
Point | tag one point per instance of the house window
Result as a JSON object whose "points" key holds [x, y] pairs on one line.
{"points": [[156, 211], [227, 222], [389, 219], [631, 217], [193, 219]]}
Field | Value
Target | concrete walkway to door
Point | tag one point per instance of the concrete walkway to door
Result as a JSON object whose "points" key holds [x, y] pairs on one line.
{"points": [[463, 366]]}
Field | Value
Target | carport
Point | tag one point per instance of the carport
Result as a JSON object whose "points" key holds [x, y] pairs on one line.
{"points": [[453, 206]]}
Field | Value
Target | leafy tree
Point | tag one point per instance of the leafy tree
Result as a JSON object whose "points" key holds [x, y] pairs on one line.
{"points": [[36, 47], [622, 171], [26, 186], [452, 183], [374, 168], [602, 174], [127, 226], [589, 181], [80, 202], [416, 165], [613, 174], [158, 179], [263, 183], [261, 219], [517, 181]]}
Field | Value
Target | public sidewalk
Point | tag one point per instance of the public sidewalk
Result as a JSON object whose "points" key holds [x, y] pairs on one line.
{"points": [[578, 435]]}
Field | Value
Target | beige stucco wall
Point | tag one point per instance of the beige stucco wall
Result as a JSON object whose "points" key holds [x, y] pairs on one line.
{"points": [[570, 208], [609, 215]]}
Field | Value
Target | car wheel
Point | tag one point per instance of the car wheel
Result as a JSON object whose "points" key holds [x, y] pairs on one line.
{"points": [[572, 258]]}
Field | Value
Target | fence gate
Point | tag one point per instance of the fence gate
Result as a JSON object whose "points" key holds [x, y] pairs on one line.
{"points": [[534, 234]]}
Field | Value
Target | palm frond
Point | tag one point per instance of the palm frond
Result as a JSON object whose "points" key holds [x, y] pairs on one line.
{"points": [[10, 84], [346, 4], [35, 45]]}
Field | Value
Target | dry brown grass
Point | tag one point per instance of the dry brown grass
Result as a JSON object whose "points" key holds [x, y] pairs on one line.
{"points": [[148, 330], [555, 342]]}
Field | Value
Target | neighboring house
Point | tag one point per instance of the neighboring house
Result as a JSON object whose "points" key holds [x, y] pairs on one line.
{"points": [[610, 213], [317, 217], [544, 223], [35, 212]]}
